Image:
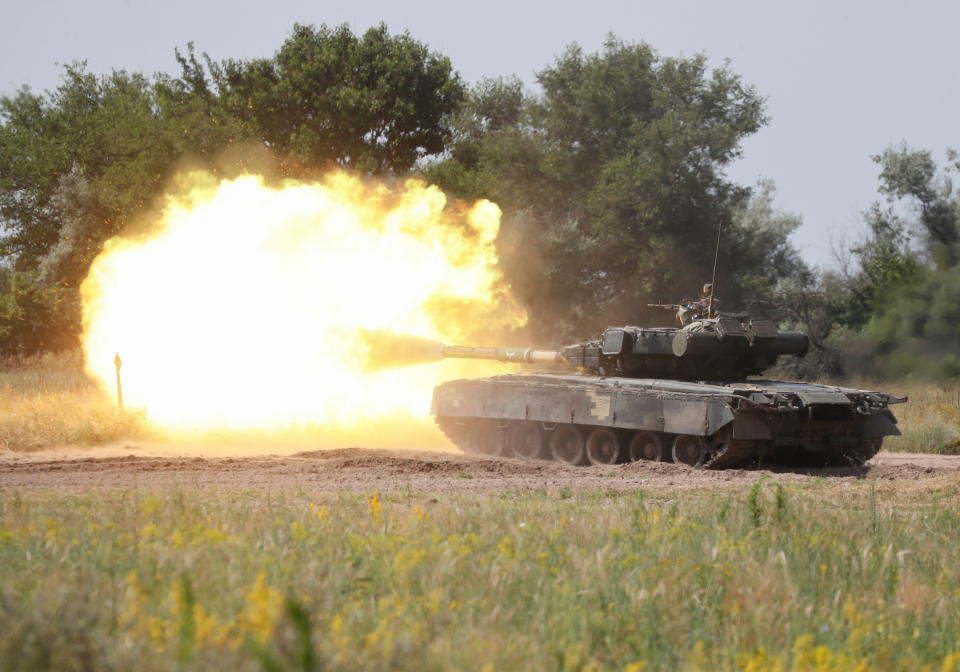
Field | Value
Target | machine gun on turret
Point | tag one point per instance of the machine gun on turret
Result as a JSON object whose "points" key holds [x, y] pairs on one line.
{"points": [[689, 311]]}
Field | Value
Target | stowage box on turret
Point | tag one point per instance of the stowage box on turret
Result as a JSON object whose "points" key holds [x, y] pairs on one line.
{"points": [[678, 394]]}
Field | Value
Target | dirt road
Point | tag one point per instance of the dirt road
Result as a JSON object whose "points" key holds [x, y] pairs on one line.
{"points": [[364, 469]]}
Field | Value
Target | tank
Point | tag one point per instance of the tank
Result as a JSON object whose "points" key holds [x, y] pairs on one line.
{"points": [[689, 394]]}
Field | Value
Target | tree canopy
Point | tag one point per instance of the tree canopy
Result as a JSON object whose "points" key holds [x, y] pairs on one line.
{"points": [[375, 103], [613, 173]]}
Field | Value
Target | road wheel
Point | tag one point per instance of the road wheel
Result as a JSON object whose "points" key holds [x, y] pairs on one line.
{"points": [[604, 446], [526, 439], [690, 450], [646, 446], [488, 439], [567, 445]]}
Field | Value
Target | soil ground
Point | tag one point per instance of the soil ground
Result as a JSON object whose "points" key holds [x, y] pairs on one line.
{"points": [[157, 465]]}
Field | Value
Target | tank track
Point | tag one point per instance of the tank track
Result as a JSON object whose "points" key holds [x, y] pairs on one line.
{"points": [[462, 433], [483, 436], [457, 433]]}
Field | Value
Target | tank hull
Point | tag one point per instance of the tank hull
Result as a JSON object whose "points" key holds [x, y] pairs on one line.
{"points": [[584, 419]]}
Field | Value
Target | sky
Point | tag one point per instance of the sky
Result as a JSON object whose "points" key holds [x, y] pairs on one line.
{"points": [[843, 79]]}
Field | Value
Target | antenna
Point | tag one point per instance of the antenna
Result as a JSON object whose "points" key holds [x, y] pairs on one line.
{"points": [[713, 278]]}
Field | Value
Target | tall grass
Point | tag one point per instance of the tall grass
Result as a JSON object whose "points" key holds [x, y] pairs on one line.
{"points": [[49, 401], [930, 421], [762, 578]]}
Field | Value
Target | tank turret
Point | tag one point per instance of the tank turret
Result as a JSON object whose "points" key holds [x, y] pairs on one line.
{"points": [[718, 348]]}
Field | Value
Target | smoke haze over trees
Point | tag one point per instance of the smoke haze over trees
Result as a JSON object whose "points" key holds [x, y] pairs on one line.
{"points": [[610, 175]]}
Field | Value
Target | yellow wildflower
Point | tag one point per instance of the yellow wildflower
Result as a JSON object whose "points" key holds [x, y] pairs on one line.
{"points": [[375, 507]]}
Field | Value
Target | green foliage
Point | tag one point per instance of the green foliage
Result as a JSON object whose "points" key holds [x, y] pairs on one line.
{"points": [[188, 621], [913, 174], [755, 504], [375, 103], [886, 264], [612, 178], [34, 316], [916, 332], [303, 657], [764, 261], [890, 310], [101, 131], [902, 303], [780, 499]]}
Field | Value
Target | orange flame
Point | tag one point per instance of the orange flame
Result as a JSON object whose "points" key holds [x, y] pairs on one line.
{"points": [[247, 307]]}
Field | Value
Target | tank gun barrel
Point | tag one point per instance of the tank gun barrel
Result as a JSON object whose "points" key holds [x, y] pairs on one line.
{"points": [[518, 355]]}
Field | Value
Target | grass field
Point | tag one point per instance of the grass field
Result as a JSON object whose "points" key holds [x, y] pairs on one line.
{"points": [[809, 577], [822, 574]]}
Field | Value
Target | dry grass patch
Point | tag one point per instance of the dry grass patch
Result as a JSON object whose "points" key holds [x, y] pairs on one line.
{"points": [[930, 421], [49, 401]]}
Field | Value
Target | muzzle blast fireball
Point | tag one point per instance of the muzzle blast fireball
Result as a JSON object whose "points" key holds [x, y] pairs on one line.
{"points": [[253, 306]]}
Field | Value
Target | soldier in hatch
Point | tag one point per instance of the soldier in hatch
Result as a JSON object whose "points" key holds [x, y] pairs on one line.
{"points": [[690, 311]]}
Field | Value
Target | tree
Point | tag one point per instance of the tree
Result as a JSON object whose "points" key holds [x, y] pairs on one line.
{"points": [[104, 129], [815, 302], [116, 138], [766, 262], [904, 299], [909, 174], [885, 261], [375, 103], [613, 175], [34, 317]]}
